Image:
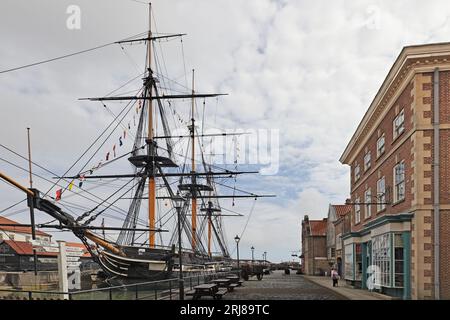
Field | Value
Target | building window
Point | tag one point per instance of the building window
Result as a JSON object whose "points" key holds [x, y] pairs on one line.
{"points": [[367, 161], [349, 262], [398, 261], [381, 195], [357, 172], [399, 124], [357, 211], [380, 146], [399, 182], [368, 201], [381, 255]]}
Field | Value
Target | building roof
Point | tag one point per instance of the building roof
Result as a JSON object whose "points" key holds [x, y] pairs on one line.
{"points": [[342, 209], [79, 245], [318, 227], [26, 248], [19, 228]]}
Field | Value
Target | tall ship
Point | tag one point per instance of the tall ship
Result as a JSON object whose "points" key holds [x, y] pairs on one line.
{"points": [[173, 192]]}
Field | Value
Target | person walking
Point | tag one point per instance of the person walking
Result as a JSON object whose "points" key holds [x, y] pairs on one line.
{"points": [[334, 277]]}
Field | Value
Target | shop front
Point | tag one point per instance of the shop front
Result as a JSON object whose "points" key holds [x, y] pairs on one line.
{"points": [[378, 258]]}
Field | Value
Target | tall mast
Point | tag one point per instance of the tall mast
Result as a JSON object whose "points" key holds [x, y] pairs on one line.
{"points": [[33, 225], [151, 179], [194, 190]]}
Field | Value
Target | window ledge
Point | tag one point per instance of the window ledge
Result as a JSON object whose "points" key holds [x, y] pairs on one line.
{"points": [[381, 211], [398, 136], [398, 202]]}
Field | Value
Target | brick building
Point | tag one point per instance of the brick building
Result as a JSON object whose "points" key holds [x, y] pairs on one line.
{"points": [[400, 180], [338, 224], [314, 247]]}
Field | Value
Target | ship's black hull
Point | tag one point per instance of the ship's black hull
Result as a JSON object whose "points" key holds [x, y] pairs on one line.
{"points": [[138, 264]]}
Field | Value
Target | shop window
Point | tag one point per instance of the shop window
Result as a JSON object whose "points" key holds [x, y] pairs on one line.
{"points": [[358, 261], [381, 258], [348, 250], [398, 261]]}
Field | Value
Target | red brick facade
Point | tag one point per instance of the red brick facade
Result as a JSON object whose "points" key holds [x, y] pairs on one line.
{"points": [[409, 87]]}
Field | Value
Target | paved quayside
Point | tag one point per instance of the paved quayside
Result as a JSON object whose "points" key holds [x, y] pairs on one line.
{"points": [[279, 286]]}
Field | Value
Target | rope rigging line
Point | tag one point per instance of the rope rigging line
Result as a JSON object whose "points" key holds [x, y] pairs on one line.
{"points": [[116, 209], [87, 150], [246, 223], [63, 56], [52, 173]]}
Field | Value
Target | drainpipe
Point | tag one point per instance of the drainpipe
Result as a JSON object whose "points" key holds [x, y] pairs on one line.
{"points": [[436, 184]]}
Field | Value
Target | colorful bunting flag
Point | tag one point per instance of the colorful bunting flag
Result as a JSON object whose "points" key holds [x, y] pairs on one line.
{"points": [[107, 156], [114, 150], [120, 141], [58, 194], [129, 127], [82, 178], [125, 134], [70, 185]]}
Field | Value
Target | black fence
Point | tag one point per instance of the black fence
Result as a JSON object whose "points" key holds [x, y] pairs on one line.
{"points": [[154, 290]]}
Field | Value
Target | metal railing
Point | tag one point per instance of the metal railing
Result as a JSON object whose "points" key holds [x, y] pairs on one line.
{"points": [[152, 290]]}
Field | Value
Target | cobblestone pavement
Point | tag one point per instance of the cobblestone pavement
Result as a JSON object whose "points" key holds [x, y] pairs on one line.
{"points": [[279, 286]]}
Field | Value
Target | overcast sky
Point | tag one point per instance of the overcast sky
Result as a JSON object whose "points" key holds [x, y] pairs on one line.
{"points": [[306, 68]]}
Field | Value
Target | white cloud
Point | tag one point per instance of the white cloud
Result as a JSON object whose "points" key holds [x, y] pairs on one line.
{"points": [[310, 69]]}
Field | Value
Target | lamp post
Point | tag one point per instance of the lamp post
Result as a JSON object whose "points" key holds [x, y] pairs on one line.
{"points": [[237, 239], [253, 257], [265, 257], [178, 202]]}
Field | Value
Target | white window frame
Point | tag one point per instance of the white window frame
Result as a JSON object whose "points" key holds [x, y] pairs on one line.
{"points": [[381, 147], [381, 194], [357, 172], [349, 262], [399, 181], [398, 124], [368, 206], [382, 259], [367, 161], [357, 211]]}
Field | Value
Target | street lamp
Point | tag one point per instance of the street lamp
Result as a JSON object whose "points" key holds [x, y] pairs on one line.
{"points": [[178, 202], [265, 257], [253, 257], [237, 239]]}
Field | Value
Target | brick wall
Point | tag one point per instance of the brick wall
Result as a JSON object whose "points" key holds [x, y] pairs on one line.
{"points": [[395, 151]]}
